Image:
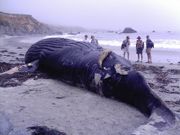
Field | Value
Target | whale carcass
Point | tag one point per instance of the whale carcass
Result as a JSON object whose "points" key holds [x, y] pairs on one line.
{"points": [[101, 71]]}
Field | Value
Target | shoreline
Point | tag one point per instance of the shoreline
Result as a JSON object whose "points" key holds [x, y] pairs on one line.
{"points": [[159, 56]]}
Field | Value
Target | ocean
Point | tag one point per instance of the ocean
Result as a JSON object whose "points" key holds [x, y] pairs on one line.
{"points": [[166, 45], [161, 40]]}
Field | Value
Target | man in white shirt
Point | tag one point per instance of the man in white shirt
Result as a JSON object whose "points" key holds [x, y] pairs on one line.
{"points": [[125, 47], [85, 38]]}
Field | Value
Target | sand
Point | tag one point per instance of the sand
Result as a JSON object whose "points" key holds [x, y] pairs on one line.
{"points": [[75, 111]]}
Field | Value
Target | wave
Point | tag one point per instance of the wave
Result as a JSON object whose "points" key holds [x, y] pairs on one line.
{"points": [[158, 43]]}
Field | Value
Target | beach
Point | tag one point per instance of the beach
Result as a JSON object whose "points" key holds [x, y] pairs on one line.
{"points": [[39, 100]]}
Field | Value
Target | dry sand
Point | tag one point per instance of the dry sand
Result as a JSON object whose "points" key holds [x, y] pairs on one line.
{"points": [[48, 102]]}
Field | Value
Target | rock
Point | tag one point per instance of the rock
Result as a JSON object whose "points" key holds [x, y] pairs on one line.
{"points": [[3, 51], [129, 30], [19, 47], [43, 130], [21, 54], [12, 52]]}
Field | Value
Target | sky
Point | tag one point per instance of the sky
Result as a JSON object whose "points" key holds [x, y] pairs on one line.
{"points": [[142, 15]]}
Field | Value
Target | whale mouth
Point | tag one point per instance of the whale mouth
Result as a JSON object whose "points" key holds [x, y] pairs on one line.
{"points": [[159, 121]]}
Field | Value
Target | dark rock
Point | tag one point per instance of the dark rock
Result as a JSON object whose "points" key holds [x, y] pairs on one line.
{"points": [[43, 130], [21, 54], [129, 30], [60, 97], [7, 55], [12, 53], [19, 47], [3, 51]]}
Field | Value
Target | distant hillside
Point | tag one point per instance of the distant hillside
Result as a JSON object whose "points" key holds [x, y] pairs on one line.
{"points": [[20, 24]]}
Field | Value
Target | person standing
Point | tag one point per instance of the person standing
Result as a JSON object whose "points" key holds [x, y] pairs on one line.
{"points": [[94, 40], [149, 46], [125, 47], [85, 38], [139, 48]]}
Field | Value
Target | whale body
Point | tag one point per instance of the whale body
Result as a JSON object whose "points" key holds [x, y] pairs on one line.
{"points": [[98, 70]]}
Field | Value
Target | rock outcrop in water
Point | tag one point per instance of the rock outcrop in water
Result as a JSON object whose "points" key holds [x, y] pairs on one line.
{"points": [[20, 24], [129, 30]]}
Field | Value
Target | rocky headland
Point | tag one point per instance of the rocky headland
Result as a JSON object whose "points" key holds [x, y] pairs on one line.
{"points": [[22, 24]]}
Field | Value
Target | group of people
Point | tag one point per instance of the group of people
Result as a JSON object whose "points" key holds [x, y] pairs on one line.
{"points": [[139, 48], [125, 47], [93, 39]]}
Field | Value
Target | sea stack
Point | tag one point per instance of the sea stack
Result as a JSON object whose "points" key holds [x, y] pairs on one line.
{"points": [[129, 30]]}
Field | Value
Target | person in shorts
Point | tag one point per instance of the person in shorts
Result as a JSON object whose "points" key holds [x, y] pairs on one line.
{"points": [[125, 47], [139, 48]]}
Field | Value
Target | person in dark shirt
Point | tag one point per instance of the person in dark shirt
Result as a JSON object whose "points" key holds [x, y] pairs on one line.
{"points": [[149, 46]]}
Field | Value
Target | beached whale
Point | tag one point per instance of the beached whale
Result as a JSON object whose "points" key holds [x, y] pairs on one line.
{"points": [[101, 71]]}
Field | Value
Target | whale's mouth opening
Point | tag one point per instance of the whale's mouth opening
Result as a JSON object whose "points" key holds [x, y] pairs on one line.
{"points": [[133, 90], [161, 119], [137, 93]]}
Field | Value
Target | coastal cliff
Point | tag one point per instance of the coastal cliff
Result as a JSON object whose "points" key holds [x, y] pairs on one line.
{"points": [[21, 24]]}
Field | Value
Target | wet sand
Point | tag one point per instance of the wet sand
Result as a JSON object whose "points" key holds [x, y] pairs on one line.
{"points": [[39, 100]]}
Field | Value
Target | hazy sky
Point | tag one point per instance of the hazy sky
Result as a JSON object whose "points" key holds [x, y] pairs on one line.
{"points": [[143, 15]]}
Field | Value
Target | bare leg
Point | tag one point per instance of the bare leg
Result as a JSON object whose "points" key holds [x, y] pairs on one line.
{"points": [[150, 58], [147, 57], [128, 55], [141, 57], [138, 57]]}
